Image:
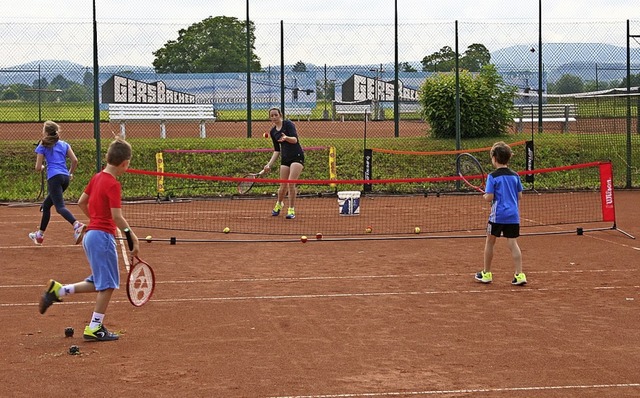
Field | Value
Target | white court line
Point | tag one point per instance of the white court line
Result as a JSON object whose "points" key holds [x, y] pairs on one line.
{"points": [[466, 391], [350, 295], [352, 277]]}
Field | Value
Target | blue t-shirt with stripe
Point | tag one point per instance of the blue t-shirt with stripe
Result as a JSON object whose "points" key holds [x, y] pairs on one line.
{"points": [[505, 185]]}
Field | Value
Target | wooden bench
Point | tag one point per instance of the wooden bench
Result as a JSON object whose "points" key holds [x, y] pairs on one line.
{"points": [[304, 112], [162, 113], [561, 113], [342, 110]]}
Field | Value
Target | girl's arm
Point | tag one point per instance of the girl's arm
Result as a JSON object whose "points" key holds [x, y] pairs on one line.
{"points": [[74, 161], [274, 157], [39, 163]]}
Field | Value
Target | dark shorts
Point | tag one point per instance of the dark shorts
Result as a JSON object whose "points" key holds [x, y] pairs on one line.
{"points": [[506, 230], [299, 158]]}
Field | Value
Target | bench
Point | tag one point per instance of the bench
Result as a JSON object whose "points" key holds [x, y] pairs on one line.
{"points": [[162, 113], [342, 110], [304, 112], [561, 113]]}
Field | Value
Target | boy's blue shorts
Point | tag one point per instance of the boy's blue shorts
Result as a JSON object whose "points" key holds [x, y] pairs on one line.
{"points": [[101, 251]]}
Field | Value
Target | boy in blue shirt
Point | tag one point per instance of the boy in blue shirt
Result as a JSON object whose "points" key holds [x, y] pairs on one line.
{"points": [[504, 191]]}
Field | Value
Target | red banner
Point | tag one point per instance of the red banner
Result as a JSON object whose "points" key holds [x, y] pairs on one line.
{"points": [[606, 192]]}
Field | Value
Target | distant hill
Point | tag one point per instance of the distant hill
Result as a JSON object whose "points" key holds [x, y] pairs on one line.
{"points": [[579, 59], [27, 73]]}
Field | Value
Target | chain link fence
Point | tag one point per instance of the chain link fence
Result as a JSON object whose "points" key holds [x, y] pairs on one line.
{"points": [[336, 81]]}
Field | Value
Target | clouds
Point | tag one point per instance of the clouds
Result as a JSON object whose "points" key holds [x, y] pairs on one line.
{"points": [[321, 10]]}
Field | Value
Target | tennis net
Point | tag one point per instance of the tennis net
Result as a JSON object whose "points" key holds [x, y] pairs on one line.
{"points": [[571, 196]]}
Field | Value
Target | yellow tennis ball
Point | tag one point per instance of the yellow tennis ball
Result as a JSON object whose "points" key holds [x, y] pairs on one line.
{"points": [[417, 230], [368, 230], [226, 230], [148, 238], [303, 239]]}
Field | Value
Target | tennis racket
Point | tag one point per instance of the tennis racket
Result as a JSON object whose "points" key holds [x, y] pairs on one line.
{"points": [[141, 280], [471, 171], [250, 179]]}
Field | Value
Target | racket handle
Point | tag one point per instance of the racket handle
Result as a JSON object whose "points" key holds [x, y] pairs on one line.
{"points": [[127, 233]]}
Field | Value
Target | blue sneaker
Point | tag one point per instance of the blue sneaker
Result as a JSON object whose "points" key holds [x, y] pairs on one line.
{"points": [[291, 213], [276, 209], [484, 277], [519, 279]]}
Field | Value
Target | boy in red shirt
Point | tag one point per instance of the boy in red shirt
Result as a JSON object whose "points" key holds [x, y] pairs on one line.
{"points": [[101, 203]]}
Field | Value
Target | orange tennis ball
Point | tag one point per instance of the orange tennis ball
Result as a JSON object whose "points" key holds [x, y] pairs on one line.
{"points": [[303, 239], [265, 135]]}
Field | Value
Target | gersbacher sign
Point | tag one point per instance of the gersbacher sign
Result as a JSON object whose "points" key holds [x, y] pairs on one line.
{"points": [[123, 90]]}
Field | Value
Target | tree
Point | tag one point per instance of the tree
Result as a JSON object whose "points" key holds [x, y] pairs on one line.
{"points": [[299, 67], [216, 44], [568, 84], [441, 61], [60, 82], [87, 79], [330, 93], [40, 83], [476, 56], [635, 81], [406, 67], [486, 103]]}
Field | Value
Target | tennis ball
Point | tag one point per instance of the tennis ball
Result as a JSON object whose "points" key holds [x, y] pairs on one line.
{"points": [[265, 135], [148, 238], [368, 230], [417, 230], [226, 230], [68, 332], [318, 236], [303, 239]]}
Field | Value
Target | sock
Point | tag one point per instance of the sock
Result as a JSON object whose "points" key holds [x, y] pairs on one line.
{"points": [[66, 290], [96, 320]]}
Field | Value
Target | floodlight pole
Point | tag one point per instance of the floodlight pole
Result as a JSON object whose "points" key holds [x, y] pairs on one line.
{"points": [[248, 24], [539, 66]]}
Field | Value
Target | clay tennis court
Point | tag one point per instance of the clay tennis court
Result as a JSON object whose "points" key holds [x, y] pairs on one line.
{"points": [[382, 318]]}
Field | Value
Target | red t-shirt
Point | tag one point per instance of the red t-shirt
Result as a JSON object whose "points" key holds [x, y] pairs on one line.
{"points": [[104, 194]]}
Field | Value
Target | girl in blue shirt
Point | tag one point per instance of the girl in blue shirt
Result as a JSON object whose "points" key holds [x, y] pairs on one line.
{"points": [[55, 152]]}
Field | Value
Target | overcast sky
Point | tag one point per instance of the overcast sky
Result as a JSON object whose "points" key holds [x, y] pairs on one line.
{"points": [[321, 10], [358, 31]]}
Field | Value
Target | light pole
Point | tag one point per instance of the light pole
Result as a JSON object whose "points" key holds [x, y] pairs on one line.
{"points": [[377, 111], [325, 113]]}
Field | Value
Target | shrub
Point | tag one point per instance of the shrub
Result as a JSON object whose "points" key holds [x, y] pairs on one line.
{"points": [[486, 104]]}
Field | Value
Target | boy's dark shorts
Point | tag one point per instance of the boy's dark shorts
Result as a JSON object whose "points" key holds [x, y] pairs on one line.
{"points": [[507, 230]]}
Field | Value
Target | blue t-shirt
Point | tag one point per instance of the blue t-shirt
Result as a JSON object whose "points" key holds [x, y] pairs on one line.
{"points": [[56, 158], [505, 185]]}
